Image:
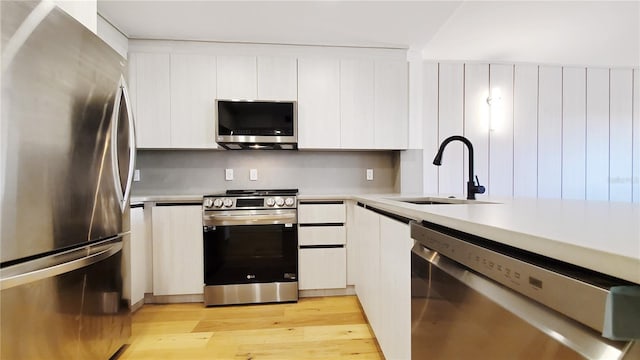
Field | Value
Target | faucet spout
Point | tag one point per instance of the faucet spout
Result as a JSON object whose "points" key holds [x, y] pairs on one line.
{"points": [[472, 188]]}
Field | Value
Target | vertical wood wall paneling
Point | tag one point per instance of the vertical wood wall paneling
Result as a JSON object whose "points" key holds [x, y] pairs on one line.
{"points": [[597, 139], [501, 136], [430, 126], [620, 145], [550, 132], [356, 104], [476, 120], [636, 135], [193, 90], [525, 131], [573, 133], [450, 119]]}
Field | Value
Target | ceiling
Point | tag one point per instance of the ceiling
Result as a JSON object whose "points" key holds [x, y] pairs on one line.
{"points": [[602, 33]]}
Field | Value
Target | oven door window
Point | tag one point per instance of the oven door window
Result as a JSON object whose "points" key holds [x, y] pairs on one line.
{"points": [[250, 253]]}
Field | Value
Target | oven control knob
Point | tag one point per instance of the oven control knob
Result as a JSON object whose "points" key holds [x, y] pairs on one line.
{"points": [[271, 202], [228, 202], [289, 201], [279, 201], [208, 202], [217, 203]]}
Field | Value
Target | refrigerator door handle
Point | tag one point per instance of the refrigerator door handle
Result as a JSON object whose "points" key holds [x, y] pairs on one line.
{"points": [[123, 191], [9, 278]]}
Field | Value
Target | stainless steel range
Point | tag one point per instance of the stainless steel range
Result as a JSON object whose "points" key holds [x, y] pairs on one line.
{"points": [[250, 247]]}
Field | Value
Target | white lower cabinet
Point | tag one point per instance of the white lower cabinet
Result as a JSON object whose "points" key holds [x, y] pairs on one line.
{"points": [[177, 250], [322, 268], [395, 289], [383, 279], [135, 258], [322, 239]]}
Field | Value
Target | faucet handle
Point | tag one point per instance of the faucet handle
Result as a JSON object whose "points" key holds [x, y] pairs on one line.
{"points": [[479, 189]]}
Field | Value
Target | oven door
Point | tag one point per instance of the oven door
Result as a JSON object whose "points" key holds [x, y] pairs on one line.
{"points": [[245, 254], [459, 314]]}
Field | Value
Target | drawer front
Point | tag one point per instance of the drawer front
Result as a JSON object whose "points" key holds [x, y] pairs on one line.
{"points": [[322, 235], [322, 268], [321, 214]]}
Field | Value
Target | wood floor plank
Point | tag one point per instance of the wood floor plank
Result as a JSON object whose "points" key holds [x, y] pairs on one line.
{"points": [[313, 328]]}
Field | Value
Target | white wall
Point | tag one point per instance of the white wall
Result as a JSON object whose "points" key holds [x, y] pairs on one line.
{"points": [[557, 132]]}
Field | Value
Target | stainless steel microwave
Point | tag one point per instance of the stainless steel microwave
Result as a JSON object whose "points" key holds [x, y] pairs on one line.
{"points": [[248, 124]]}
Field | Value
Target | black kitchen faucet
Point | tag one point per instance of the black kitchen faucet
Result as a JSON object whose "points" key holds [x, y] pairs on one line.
{"points": [[472, 188]]}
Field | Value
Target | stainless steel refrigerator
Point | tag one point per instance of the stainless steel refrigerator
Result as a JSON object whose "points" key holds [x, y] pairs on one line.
{"points": [[67, 150]]}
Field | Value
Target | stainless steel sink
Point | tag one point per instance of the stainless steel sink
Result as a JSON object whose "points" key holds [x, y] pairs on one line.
{"points": [[438, 201]]}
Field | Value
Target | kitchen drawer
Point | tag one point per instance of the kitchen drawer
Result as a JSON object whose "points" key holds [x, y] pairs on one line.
{"points": [[322, 235], [322, 268], [322, 213]]}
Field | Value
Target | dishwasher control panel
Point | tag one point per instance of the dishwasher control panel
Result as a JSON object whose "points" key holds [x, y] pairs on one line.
{"points": [[542, 285]]}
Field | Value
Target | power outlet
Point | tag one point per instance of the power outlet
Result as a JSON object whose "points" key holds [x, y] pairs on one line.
{"points": [[369, 174], [136, 175], [228, 174], [253, 174]]}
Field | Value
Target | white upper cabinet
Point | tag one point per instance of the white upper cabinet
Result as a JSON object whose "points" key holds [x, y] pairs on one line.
{"points": [[318, 103], [193, 91], [356, 104], [277, 78], [149, 79], [391, 104], [348, 99], [237, 77]]}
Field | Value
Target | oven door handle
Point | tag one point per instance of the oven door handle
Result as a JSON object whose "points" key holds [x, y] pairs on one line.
{"points": [[267, 219]]}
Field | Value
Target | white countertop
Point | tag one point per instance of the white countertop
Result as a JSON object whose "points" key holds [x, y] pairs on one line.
{"points": [[602, 236]]}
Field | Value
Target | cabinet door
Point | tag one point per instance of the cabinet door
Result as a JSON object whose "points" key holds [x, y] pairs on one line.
{"points": [[356, 104], [277, 78], [368, 274], [193, 93], [177, 250], [322, 268], [394, 333], [318, 103], [237, 77], [150, 93], [136, 254], [391, 105]]}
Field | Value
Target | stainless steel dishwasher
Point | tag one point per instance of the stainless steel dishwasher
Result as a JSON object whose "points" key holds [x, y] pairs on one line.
{"points": [[472, 298]]}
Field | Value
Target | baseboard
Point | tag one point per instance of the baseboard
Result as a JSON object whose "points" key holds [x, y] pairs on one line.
{"points": [[349, 290], [172, 299]]}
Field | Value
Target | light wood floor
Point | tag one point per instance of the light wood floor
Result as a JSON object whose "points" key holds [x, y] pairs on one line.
{"points": [[313, 328]]}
